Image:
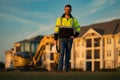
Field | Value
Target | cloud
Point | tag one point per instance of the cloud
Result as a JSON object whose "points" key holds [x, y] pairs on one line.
{"points": [[20, 1], [42, 30], [34, 0], [95, 6], [8, 17], [39, 15], [107, 19], [100, 3], [34, 19], [90, 11], [34, 16]]}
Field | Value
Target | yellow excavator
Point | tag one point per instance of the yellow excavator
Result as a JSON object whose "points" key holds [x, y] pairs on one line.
{"points": [[40, 50], [22, 59]]}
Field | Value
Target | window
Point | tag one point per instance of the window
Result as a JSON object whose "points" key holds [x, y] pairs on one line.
{"points": [[51, 45], [37, 44], [27, 47], [103, 42], [51, 56], [96, 42], [47, 47], [109, 53], [22, 47], [77, 55], [33, 47], [108, 67], [44, 57], [88, 43], [88, 54], [78, 43], [119, 40], [108, 40], [119, 64], [96, 54], [82, 43], [118, 52], [82, 54], [97, 65], [18, 49]]}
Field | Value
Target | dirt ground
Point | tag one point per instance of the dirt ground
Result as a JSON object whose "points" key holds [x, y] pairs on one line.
{"points": [[60, 76]]}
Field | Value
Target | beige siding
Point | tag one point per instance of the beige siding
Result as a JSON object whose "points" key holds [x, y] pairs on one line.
{"points": [[109, 51]]}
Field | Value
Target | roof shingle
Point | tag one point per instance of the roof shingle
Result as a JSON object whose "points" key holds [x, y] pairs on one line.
{"points": [[111, 27]]}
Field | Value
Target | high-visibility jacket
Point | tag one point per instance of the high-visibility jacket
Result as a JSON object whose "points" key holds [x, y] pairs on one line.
{"points": [[64, 22]]}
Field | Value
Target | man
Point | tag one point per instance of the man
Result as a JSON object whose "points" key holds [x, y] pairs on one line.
{"points": [[67, 28]]}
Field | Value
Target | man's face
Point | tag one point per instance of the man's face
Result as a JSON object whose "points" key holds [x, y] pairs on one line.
{"points": [[67, 10]]}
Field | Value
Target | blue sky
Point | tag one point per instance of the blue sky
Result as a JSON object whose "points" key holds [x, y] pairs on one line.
{"points": [[20, 19]]}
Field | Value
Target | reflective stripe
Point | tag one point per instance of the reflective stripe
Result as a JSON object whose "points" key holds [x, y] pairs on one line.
{"points": [[65, 27], [78, 29], [60, 22], [56, 29], [71, 22]]}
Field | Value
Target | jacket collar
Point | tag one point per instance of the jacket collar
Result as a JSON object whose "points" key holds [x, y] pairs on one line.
{"points": [[64, 16]]}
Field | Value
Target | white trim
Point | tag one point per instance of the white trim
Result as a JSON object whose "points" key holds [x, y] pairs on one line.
{"points": [[91, 30]]}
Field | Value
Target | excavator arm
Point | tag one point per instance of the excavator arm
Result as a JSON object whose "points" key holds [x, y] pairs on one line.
{"points": [[41, 47]]}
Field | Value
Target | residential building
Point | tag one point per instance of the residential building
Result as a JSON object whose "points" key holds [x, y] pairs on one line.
{"points": [[97, 47]]}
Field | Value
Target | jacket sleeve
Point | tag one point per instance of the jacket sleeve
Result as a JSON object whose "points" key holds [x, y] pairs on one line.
{"points": [[56, 29], [56, 36], [76, 27]]}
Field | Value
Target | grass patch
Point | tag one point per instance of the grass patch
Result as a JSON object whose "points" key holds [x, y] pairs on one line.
{"points": [[60, 76]]}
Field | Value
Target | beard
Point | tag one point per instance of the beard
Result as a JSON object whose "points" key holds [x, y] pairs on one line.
{"points": [[67, 13]]}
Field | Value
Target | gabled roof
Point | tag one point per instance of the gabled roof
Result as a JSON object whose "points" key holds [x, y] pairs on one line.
{"points": [[111, 27], [93, 31]]}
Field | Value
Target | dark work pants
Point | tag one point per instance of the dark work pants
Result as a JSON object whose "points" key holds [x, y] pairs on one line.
{"points": [[65, 52]]}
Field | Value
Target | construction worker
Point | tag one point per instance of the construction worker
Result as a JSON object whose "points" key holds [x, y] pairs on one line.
{"points": [[66, 29]]}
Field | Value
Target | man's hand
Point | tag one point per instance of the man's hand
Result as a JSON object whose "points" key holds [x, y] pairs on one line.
{"points": [[55, 42], [72, 37]]}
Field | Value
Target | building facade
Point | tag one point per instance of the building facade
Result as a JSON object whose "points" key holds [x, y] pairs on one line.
{"points": [[97, 47]]}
